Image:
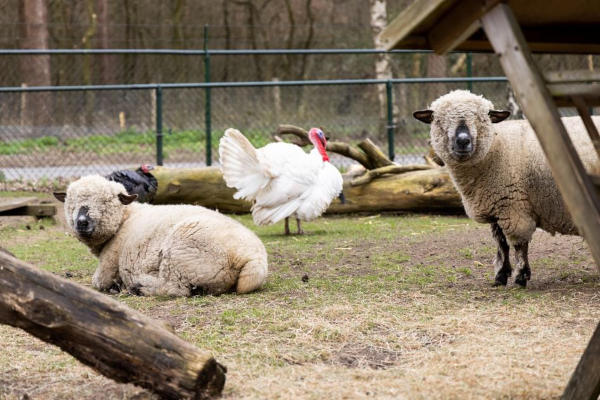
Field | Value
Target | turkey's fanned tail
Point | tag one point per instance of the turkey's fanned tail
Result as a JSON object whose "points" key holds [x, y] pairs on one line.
{"points": [[240, 166], [270, 215]]}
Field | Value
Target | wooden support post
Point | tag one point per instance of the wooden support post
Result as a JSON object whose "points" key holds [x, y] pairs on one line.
{"points": [[585, 381], [584, 113], [571, 178], [115, 340]]}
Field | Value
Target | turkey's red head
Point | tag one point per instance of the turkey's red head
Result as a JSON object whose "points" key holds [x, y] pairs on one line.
{"points": [[146, 168], [317, 137]]}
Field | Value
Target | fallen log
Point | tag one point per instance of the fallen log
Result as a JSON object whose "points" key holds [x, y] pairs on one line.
{"points": [[113, 339], [421, 190]]}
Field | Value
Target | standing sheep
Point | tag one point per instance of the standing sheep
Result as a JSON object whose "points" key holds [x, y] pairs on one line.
{"points": [[177, 250], [501, 173]]}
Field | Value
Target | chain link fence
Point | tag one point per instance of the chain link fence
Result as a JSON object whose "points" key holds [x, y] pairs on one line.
{"points": [[60, 133]]}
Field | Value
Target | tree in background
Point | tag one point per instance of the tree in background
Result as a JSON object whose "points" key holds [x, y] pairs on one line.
{"points": [[35, 70], [383, 67]]}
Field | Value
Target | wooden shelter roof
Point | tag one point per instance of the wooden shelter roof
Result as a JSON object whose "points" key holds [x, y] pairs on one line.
{"points": [[549, 26]]}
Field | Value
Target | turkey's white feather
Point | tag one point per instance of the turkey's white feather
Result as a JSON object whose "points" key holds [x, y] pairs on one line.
{"points": [[281, 178]]}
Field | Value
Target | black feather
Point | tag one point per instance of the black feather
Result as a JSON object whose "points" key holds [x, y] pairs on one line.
{"points": [[143, 184]]}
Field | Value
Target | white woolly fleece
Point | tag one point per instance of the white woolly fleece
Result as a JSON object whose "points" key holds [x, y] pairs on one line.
{"points": [[175, 250], [507, 179]]}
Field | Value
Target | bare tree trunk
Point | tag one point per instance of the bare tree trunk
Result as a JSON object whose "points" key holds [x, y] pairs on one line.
{"points": [[227, 28], [107, 61], [35, 69], [301, 104], [177, 39], [383, 67], [86, 41], [414, 190]]}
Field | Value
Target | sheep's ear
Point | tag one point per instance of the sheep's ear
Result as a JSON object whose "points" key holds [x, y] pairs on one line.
{"points": [[60, 196], [127, 198], [424, 116], [498, 116]]}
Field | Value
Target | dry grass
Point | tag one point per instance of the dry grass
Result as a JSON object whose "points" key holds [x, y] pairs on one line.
{"points": [[394, 307]]}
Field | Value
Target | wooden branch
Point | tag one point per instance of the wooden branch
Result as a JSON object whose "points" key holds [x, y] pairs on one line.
{"points": [[300, 133], [351, 152], [376, 156], [369, 175], [335, 147], [115, 340], [433, 159]]}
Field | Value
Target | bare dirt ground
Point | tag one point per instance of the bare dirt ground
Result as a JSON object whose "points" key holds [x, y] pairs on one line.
{"points": [[384, 306]]}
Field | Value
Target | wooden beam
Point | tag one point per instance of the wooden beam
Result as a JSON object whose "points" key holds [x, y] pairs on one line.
{"points": [[408, 20], [116, 341], [585, 381], [563, 93], [458, 24], [572, 76], [35, 210], [571, 178], [583, 110], [11, 204]]}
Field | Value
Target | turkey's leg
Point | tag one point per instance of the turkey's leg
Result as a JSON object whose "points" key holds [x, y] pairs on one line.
{"points": [[300, 231], [287, 226]]}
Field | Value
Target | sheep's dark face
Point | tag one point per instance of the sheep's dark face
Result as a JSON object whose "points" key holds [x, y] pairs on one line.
{"points": [[461, 128], [83, 224]]}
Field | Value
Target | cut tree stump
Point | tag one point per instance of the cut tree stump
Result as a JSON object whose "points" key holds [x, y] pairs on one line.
{"points": [[113, 339], [418, 190]]}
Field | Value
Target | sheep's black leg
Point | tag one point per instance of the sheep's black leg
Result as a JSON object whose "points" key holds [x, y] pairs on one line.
{"points": [[287, 226], [524, 274], [502, 262], [300, 231]]}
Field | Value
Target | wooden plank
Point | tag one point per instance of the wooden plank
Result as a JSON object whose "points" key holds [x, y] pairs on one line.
{"points": [[564, 92], [458, 24], [585, 381], [11, 204], [571, 178], [121, 343], [583, 110], [408, 20], [572, 76], [35, 210]]}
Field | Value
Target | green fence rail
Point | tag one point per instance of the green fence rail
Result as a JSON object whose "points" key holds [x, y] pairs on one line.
{"points": [[158, 88]]}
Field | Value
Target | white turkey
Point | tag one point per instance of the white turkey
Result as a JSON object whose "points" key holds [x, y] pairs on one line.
{"points": [[280, 178]]}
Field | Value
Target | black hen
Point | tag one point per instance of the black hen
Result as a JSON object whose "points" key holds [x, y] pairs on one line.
{"points": [[140, 182]]}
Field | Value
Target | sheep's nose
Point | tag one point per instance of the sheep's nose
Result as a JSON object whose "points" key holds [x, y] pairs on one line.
{"points": [[463, 141], [82, 222]]}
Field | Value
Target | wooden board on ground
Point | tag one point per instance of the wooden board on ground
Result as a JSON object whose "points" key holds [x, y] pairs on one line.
{"points": [[26, 206]]}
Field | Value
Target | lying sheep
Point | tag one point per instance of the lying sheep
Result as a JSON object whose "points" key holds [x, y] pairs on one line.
{"points": [[502, 174], [177, 250]]}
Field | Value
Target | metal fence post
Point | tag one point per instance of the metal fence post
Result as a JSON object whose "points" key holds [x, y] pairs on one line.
{"points": [[159, 126], [390, 118], [207, 105]]}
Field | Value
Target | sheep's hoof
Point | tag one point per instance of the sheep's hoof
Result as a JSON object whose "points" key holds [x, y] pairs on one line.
{"points": [[521, 280], [501, 280], [114, 289], [136, 289]]}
